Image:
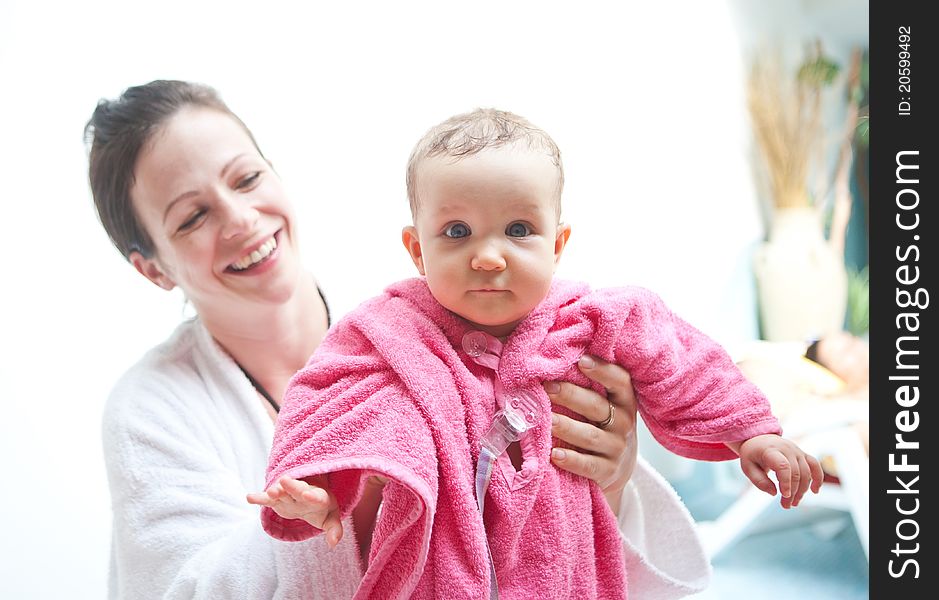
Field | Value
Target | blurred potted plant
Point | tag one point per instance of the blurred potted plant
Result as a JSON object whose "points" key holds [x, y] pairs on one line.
{"points": [[801, 279], [858, 319], [859, 284]]}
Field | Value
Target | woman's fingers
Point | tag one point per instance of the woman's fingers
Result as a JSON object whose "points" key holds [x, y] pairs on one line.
{"points": [[605, 454], [610, 473], [615, 379], [585, 402], [592, 467], [609, 458], [595, 407], [587, 436]]}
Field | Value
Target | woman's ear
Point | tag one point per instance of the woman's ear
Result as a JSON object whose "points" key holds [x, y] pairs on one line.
{"points": [[413, 245], [150, 269], [564, 233]]}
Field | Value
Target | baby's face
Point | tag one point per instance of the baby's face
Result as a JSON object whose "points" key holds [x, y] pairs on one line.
{"points": [[486, 234]]}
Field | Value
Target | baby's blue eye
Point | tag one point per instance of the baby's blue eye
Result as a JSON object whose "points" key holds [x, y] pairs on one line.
{"points": [[517, 230], [457, 230]]}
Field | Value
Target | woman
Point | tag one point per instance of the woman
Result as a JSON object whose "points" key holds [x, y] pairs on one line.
{"points": [[186, 196]]}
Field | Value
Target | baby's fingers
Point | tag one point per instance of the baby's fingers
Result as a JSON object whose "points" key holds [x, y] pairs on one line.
{"points": [[259, 498], [818, 475], [755, 474], [787, 477], [276, 491], [804, 479], [268, 497], [320, 501], [304, 492], [333, 528], [812, 476]]}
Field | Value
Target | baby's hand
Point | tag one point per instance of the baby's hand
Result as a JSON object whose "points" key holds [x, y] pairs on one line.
{"points": [[295, 499], [795, 470]]}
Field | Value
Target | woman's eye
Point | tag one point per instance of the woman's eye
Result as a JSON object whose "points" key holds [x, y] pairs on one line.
{"points": [[192, 221], [248, 180], [517, 230], [457, 230]]}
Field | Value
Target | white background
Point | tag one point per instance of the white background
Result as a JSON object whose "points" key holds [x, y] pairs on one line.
{"points": [[645, 101]]}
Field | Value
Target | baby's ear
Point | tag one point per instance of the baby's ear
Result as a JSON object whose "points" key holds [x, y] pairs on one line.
{"points": [[564, 233], [412, 243], [150, 268]]}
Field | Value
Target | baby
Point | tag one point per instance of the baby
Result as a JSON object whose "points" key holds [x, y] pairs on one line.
{"points": [[429, 385]]}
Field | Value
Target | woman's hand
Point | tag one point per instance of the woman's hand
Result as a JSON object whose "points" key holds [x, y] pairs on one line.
{"points": [[605, 454]]}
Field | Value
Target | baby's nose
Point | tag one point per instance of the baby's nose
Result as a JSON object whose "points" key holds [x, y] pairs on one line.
{"points": [[488, 258]]}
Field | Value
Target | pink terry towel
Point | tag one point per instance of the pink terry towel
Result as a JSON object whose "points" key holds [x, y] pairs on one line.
{"points": [[390, 391]]}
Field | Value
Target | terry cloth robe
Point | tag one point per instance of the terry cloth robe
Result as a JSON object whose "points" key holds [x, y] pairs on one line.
{"points": [[185, 438], [390, 391]]}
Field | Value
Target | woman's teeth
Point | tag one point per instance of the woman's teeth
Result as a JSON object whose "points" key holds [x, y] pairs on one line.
{"points": [[257, 256]]}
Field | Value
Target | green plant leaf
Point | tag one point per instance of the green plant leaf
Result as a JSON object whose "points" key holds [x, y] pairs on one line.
{"points": [[858, 321], [865, 72], [818, 71], [863, 131]]}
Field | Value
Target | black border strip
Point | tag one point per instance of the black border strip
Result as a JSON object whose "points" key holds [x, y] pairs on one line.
{"points": [[903, 270]]}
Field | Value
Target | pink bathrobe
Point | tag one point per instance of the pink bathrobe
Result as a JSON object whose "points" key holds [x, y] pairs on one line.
{"points": [[390, 391]]}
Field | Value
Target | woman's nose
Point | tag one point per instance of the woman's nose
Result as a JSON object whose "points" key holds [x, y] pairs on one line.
{"points": [[240, 217], [488, 258]]}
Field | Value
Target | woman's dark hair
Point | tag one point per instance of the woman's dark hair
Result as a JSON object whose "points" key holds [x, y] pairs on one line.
{"points": [[116, 133], [811, 352]]}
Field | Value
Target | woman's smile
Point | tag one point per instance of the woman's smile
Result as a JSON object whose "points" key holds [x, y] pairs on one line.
{"points": [[261, 255]]}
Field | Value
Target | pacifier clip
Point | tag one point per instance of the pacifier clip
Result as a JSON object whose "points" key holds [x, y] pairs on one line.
{"points": [[516, 416]]}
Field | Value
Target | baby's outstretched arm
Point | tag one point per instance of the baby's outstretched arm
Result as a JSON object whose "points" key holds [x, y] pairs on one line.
{"points": [[796, 471], [308, 499]]}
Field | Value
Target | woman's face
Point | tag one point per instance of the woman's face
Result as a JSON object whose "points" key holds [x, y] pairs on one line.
{"points": [[218, 215], [847, 356]]}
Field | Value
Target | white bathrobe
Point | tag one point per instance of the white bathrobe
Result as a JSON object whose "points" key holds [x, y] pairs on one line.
{"points": [[186, 437]]}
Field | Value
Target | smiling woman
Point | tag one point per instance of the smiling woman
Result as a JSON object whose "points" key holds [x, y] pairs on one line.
{"points": [[186, 195], [213, 213]]}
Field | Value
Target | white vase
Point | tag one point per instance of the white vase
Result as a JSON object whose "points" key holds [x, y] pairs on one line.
{"points": [[802, 285]]}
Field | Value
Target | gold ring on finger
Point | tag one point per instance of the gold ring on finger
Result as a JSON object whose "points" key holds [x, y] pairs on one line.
{"points": [[609, 420]]}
